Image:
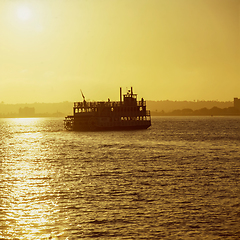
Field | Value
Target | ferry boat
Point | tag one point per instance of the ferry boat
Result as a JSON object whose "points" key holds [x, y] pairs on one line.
{"points": [[126, 114]]}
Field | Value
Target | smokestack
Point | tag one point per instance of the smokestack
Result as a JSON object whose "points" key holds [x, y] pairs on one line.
{"points": [[120, 94]]}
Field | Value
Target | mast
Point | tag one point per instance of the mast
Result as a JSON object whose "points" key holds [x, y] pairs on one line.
{"points": [[82, 95], [120, 94]]}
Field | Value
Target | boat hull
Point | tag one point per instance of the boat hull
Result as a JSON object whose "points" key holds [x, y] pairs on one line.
{"points": [[76, 124], [112, 128]]}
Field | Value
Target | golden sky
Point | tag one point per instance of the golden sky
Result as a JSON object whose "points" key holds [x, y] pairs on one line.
{"points": [[165, 49]]}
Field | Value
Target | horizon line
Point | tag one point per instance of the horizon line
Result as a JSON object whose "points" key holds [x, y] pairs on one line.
{"points": [[89, 100]]}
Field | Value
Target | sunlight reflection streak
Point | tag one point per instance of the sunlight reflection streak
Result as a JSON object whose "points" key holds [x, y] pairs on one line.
{"points": [[27, 185]]}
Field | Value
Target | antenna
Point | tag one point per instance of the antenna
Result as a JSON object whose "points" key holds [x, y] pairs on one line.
{"points": [[120, 94], [82, 95]]}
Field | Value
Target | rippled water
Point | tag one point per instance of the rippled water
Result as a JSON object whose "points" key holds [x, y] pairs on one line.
{"points": [[178, 179]]}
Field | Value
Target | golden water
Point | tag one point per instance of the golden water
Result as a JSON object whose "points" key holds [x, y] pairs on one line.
{"points": [[178, 179]]}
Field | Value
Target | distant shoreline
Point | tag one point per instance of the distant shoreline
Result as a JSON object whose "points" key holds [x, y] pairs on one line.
{"points": [[215, 111], [188, 115], [32, 116], [157, 108]]}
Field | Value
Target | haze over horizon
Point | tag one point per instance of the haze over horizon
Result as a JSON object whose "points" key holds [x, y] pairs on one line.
{"points": [[166, 49]]}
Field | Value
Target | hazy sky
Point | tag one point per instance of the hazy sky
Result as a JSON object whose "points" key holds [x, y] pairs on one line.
{"points": [[165, 49]]}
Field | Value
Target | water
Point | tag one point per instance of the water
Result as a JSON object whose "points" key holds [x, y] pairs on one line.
{"points": [[178, 179]]}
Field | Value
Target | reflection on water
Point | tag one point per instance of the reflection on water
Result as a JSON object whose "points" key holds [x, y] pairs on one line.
{"points": [[25, 183], [177, 180]]}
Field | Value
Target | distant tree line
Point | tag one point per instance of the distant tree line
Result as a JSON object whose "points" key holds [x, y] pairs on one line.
{"points": [[160, 108], [215, 111], [169, 106]]}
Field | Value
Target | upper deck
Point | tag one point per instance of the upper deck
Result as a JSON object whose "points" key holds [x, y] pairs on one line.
{"points": [[85, 104], [128, 107]]}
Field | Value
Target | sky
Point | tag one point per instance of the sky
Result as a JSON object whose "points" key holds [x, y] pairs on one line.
{"points": [[165, 49]]}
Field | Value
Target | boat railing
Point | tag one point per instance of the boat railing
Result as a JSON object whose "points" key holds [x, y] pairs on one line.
{"points": [[106, 104]]}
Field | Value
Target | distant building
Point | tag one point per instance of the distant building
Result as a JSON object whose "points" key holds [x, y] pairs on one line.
{"points": [[237, 103], [27, 112]]}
